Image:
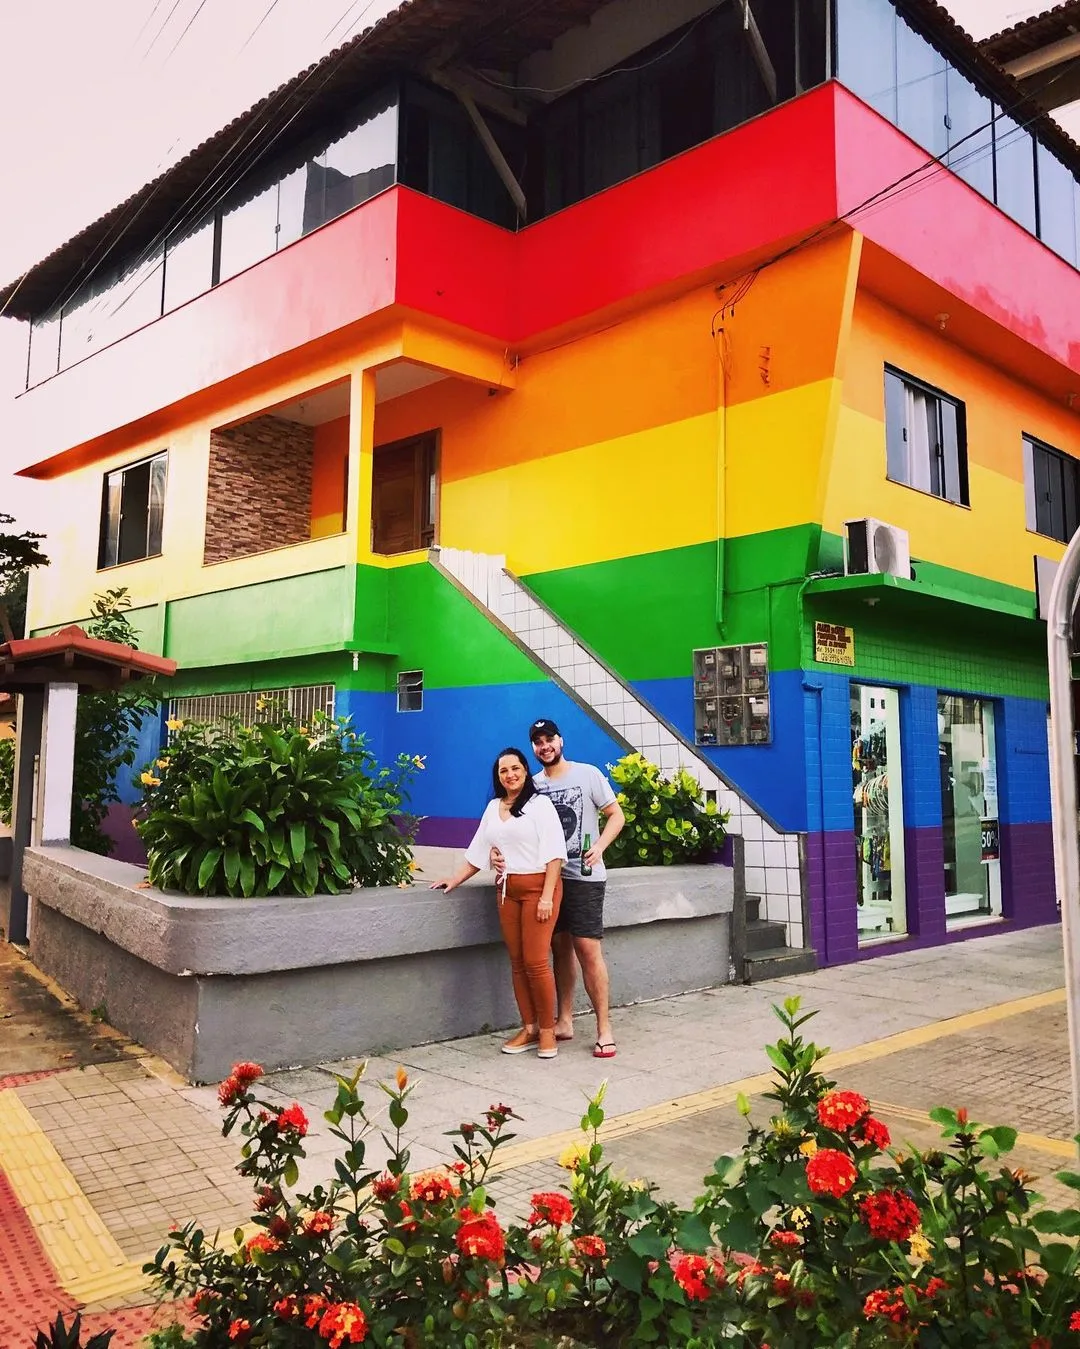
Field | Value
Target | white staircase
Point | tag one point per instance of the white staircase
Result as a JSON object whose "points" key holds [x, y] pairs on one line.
{"points": [[771, 858]]}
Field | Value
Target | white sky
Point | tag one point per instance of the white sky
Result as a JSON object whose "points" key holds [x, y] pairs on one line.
{"points": [[98, 98]]}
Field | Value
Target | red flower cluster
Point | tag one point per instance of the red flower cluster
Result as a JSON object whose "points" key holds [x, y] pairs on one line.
{"points": [[783, 1239], [691, 1274], [314, 1306], [550, 1207], [407, 1222], [481, 1237], [239, 1329], [890, 1215], [432, 1186], [591, 1247], [261, 1241], [238, 1081], [384, 1187], [1074, 1321], [343, 1323], [286, 1307], [279, 1226], [292, 1120], [842, 1110], [830, 1172], [498, 1114], [871, 1133], [319, 1224], [268, 1198], [886, 1303]]}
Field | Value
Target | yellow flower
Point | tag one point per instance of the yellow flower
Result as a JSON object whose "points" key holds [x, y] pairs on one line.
{"points": [[161, 763], [571, 1156], [174, 724], [418, 760], [919, 1246], [798, 1217], [401, 1077], [148, 780], [414, 865], [261, 704], [808, 1147], [781, 1126]]}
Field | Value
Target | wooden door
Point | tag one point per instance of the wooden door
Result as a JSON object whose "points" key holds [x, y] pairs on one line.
{"points": [[403, 493]]}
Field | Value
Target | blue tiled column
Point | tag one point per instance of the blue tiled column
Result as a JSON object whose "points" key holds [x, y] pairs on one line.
{"points": [[1027, 844], [830, 815], [924, 847]]}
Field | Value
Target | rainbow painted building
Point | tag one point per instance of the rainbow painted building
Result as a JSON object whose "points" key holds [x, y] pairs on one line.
{"points": [[496, 366]]}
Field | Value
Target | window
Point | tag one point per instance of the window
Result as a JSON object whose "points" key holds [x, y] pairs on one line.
{"points": [[132, 506], [301, 702], [1051, 490], [410, 691], [404, 490], [925, 438]]}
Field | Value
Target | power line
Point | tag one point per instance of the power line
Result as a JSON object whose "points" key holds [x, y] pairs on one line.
{"points": [[266, 14], [183, 35], [146, 24], [153, 40]]}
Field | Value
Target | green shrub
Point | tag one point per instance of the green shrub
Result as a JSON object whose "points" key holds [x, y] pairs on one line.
{"points": [[275, 809], [667, 819], [7, 778]]}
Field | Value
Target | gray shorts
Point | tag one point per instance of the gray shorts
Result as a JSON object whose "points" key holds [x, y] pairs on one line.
{"points": [[582, 912]]}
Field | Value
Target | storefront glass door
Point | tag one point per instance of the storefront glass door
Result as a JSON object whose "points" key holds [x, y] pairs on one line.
{"points": [[879, 812], [967, 762]]}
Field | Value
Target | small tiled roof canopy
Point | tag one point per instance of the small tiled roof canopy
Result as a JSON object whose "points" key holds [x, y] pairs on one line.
{"points": [[71, 657]]}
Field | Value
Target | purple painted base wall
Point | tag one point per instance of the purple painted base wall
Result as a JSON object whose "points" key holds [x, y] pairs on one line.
{"points": [[126, 844], [1027, 883]]}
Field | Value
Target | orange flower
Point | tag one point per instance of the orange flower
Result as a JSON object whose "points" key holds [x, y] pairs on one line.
{"points": [[292, 1120], [401, 1077], [842, 1110], [246, 1073], [831, 1172], [690, 1273], [384, 1187], [591, 1247], [481, 1237], [239, 1329], [550, 1207], [343, 1323], [286, 1307], [261, 1241], [319, 1224], [314, 1305], [433, 1186]]}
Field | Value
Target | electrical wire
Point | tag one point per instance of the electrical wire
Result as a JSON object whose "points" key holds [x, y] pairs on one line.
{"points": [[153, 40], [146, 24], [266, 14], [198, 11]]}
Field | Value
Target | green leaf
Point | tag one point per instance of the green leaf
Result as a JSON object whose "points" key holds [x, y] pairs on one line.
{"points": [[208, 866], [247, 877], [232, 866], [694, 1235], [626, 1270], [298, 842]]}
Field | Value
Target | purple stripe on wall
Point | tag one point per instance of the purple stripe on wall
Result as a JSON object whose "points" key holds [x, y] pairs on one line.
{"points": [[126, 844], [446, 831], [1027, 875]]}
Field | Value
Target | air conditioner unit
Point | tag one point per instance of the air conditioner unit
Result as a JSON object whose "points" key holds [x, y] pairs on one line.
{"points": [[871, 546]]}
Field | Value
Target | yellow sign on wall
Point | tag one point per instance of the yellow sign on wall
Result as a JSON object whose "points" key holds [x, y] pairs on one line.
{"points": [[834, 644]]}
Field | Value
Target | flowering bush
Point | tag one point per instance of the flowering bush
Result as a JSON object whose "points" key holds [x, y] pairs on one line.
{"points": [[812, 1236], [667, 819], [274, 809]]}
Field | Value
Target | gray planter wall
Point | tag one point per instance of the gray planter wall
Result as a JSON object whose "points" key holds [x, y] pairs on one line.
{"points": [[289, 982]]}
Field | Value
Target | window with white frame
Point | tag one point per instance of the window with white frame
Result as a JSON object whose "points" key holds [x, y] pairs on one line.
{"points": [[220, 709], [925, 438], [1051, 490], [410, 691]]}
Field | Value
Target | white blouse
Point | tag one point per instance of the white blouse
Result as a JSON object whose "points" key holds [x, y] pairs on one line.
{"points": [[528, 842]]}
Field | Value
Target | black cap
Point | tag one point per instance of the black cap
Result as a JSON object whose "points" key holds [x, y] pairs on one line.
{"points": [[545, 726]]}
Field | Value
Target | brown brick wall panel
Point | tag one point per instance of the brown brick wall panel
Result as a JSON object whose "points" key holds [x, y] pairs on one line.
{"points": [[258, 492]]}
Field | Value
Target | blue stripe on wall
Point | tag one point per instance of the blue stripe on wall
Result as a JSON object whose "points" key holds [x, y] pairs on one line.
{"points": [[148, 743], [1023, 761], [461, 730], [774, 775]]}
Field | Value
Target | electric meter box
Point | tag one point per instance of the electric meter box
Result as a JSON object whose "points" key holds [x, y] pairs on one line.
{"points": [[731, 695]]}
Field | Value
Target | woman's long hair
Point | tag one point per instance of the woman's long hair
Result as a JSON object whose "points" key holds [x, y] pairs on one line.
{"points": [[527, 792]]}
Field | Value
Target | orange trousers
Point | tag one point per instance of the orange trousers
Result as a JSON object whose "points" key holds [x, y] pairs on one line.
{"points": [[529, 944]]}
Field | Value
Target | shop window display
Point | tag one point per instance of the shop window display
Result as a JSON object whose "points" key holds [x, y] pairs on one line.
{"points": [[879, 812]]}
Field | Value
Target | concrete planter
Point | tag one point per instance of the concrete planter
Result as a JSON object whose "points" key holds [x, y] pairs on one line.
{"points": [[289, 982]]}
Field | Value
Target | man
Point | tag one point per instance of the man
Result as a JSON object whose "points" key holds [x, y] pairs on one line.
{"points": [[579, 793]]}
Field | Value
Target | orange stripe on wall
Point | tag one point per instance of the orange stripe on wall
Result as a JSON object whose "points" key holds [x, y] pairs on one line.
{"points": [[999, 409], [329, 464]]}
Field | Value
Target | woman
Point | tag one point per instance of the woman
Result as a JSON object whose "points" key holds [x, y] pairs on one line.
{"points": [[525, 827]]}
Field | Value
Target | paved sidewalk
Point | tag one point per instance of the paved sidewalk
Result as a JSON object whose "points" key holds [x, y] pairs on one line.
{"points": [[104, 1157]]}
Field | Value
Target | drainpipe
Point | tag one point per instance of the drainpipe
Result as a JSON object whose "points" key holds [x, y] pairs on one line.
{"points": [[721, 475], [1063, 596], [816, 688]]}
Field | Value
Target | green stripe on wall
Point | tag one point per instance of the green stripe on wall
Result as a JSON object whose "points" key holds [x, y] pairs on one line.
{"points": [[293, 616], [435, 628], [332, 668]]}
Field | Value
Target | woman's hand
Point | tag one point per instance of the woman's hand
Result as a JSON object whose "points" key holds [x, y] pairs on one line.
{"points": [[448, 884], [544, 907]]}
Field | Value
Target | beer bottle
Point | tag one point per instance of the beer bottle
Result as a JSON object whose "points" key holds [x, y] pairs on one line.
{"points": [[586, 870]]}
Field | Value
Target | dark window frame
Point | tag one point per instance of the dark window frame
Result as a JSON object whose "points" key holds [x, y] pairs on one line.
{"points": [[110, 531], [410, 692], [942, 399], [1066, 467]]}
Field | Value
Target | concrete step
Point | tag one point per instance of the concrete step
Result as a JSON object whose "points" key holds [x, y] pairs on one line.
{"points": [[776, 962], [762, 934]]}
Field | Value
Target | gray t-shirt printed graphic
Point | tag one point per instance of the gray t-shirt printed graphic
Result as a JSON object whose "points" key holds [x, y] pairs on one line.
{"points": [[578, 796]]}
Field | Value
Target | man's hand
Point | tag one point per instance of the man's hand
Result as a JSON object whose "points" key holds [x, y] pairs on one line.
{"points": [[498, 862], [595, 855]]}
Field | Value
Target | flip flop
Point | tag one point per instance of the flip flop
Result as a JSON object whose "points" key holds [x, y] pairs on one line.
{"points": [[604, 1049]]}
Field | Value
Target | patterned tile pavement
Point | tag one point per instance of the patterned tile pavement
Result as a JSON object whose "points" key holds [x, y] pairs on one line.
{"points": [[96, 1161]]}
